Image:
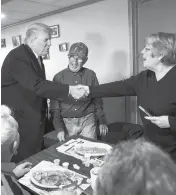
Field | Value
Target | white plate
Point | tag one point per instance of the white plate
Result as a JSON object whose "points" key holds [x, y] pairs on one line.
{"points": [[34, 181], [85, 147]]}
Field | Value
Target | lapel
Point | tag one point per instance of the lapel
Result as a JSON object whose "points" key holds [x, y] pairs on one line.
{"points": [[34, 62]]}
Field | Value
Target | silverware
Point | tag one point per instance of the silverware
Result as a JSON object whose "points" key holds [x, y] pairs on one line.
{"points": [[67, 144], [76, 185], [69, 148]]}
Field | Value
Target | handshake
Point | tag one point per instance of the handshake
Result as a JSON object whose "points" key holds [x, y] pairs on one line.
{"points": [[79, 91]]}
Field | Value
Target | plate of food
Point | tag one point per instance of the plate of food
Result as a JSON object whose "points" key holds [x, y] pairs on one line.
{"points": [[93, 149], [51, 178]]}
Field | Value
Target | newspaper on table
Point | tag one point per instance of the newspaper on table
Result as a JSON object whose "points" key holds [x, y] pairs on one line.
{"points": [[26, 181], [69, 149]]}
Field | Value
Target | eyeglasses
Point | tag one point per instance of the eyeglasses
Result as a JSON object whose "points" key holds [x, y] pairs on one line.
{"points": [[147, 49], [75, 58]]}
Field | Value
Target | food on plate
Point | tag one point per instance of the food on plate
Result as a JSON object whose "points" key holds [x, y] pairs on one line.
{"points": [[91, 150], [52, 177]]}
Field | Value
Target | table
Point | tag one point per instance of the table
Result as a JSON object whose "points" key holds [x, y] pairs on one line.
{"points": [[51, 153]]}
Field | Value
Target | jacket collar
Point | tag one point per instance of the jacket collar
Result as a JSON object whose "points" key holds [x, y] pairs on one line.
{"points": [[34, 61], [80, 73]]}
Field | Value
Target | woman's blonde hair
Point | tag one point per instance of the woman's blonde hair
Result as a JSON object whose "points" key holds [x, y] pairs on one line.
{"points": [[9, 126]]}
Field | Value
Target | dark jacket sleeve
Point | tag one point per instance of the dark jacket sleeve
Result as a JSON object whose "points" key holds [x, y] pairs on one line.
{"points": [[126, 87], [26, 76]]}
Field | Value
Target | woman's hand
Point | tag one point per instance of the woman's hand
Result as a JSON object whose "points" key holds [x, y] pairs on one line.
{"points": [[22, 169], [160, 121]]}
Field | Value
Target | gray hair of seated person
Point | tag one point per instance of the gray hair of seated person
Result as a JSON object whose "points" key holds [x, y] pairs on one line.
{"points": [[137, 168], [9, 127], [164, 44], [33, 29]]}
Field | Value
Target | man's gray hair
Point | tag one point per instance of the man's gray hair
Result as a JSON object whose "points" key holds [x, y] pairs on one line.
{"points": [[137, 167], [33, 29], [9, 126]]}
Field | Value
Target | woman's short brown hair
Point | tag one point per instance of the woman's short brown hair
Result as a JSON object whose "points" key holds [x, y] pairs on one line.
{"points": [[164, 44]]}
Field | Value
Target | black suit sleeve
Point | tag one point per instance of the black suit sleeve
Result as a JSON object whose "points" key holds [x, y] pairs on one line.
{"points": [[22, 72]]}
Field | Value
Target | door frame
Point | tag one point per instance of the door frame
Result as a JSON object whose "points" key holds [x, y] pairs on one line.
{"points": [[132, 112]]}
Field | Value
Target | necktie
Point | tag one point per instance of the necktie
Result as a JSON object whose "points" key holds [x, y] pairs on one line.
{"points": [[40, 62]]}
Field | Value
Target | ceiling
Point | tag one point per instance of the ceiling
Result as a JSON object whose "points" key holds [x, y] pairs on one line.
{"points": [[21, 11]]}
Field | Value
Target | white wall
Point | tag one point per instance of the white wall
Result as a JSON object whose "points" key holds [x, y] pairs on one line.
{"points": [[104, 28], [156, 16]]}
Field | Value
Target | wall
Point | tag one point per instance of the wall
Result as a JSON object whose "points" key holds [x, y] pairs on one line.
{"points": [[156, 16], [104, 28]]}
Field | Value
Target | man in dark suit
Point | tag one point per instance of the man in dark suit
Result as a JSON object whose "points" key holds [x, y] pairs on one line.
{"points": [[25, 89]]}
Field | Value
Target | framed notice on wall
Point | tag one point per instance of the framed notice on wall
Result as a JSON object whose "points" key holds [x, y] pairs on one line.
{"points": [[55, 31]]}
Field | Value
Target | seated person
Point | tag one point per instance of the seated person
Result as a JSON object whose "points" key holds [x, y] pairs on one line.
{"points": [[137, 168], [9, 144], [78, 117]]}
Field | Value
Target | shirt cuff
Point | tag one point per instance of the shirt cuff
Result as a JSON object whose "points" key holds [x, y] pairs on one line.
{"points": [[102, 121], [59, 130], [87, 89]]}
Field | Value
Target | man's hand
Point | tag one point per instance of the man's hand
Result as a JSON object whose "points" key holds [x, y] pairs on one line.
{"points": [[79, 91], [85, 87], [160, 121], [61, 136], [22, 169], [103, 129]]}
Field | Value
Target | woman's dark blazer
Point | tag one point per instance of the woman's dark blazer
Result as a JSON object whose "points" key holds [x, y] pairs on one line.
{"points": [[25, 90]]}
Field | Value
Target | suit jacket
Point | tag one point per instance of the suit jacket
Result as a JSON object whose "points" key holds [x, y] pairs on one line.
{"points": [[25, 90]]}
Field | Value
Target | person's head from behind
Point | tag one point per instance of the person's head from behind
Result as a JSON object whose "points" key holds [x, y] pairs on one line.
{"points": [[137, 168], [9, 135], [78, 55], [160, 49], [38, 38]]}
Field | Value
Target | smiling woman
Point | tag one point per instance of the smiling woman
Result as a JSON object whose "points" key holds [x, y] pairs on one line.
{"points": [[155, 89], [159, 51]]}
